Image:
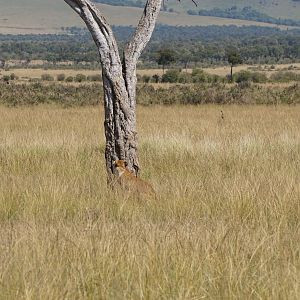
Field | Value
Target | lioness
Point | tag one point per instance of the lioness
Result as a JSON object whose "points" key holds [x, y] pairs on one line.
{"points": [[130, 182]]}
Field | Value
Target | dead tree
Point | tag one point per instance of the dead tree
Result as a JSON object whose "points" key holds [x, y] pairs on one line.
{"points": [[119, 79]]}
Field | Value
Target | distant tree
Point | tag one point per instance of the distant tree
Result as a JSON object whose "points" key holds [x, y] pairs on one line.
{"points": [[185, 57], [171, 76], [70, 79], [61, 77], [165, 57], [80, 78], [156, 78], [119, 78], [234, 59]]}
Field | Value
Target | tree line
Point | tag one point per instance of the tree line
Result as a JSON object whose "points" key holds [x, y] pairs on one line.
{"points": [[192, 45], [245, 13]]}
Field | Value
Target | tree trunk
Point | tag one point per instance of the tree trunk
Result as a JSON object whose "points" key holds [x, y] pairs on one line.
{"points": [[231, 73], [119, 79], [120, 129]]}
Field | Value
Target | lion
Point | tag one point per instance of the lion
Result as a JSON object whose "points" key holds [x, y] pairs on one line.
{"points": [[130, 182]]}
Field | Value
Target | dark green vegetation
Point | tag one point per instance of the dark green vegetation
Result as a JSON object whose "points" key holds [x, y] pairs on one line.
{"points": [[85, 94], [193, 45], [245, 13]]}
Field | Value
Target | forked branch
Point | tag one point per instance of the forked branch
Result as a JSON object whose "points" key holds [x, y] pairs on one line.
{"points": [[100, 30], [143, 31]]}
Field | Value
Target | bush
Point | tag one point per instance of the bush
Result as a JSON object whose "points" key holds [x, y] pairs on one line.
{"points": [[92, 94], [61, 77], [171, 76], [80, 78], [47, 77], [156, 78], [185, 78], [6, 78], [146, 78], [70, 79], [244, 76], [199, 75], [13, 76]]}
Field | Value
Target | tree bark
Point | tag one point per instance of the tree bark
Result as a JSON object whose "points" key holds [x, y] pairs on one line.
{"points": [[119, 79]]}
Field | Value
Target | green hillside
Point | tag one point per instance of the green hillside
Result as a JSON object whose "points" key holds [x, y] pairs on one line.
{"points": [[287, 9], [48, 16]]}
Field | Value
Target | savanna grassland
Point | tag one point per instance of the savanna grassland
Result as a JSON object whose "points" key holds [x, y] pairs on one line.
{"points": [[225, 224]]}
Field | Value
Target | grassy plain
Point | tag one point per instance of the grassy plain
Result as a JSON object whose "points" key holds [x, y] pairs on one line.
{"points": [[225, 224]]}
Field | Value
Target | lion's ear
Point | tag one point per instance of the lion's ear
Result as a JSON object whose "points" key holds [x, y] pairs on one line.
{"points": [[125, 163]]}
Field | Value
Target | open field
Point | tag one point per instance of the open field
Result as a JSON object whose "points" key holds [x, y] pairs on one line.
{"points": [[48, 16], [225, 70], [225, 225], [28, 73]]}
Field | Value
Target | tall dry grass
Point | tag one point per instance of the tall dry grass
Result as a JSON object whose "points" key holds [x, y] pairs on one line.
{"points": [[225, 225]]}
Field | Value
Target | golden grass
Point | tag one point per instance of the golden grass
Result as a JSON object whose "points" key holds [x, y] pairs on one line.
{"points": [[226, 224]]}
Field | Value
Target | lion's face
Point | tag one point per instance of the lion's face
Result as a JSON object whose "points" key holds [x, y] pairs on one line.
{"points": [[120, 164], [121, 167]]}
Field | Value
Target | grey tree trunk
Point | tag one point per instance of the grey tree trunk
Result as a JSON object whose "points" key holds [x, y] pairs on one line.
{"points": [[119, 79]]}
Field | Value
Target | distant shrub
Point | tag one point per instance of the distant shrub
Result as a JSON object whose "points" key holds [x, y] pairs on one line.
{"points": [[146, 78], [61, 77], [70, 79], [171, 76], [47, 77], [6, 78], [255, 77], [80, 78], [13, 76], [198, 75], [185, 78], [192, 94], [156, 78], [38, 93]]}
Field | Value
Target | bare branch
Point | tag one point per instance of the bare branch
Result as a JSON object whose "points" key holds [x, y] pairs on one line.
{"points": [[144, 31], [74, 6], [99, 28], [193, 2]]}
